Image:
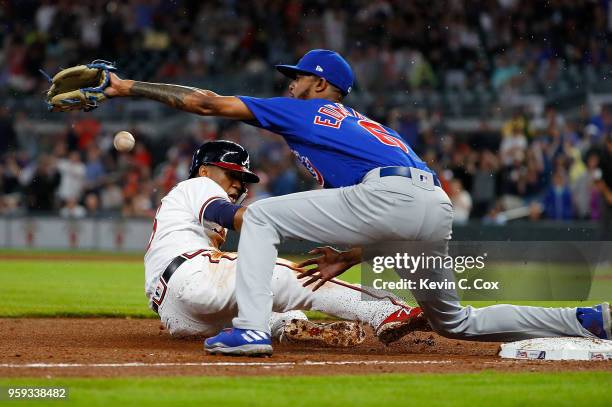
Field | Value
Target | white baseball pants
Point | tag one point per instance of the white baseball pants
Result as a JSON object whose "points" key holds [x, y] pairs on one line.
{"points": [[200, 299]]}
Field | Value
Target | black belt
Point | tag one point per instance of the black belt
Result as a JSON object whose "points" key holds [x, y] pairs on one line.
{"points": [[166, 276], [404, 172]]}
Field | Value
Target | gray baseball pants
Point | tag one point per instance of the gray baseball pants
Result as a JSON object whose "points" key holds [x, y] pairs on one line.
{"points": [[378, 209]]}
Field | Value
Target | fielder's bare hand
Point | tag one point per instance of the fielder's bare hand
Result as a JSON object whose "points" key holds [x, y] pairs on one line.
{"points": [[331, 263], [118, 87]]}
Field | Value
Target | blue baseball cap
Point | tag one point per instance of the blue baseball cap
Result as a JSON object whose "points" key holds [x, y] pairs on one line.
{"points": [[325, 64]]}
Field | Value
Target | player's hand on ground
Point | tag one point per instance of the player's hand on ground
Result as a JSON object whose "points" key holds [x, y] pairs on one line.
{"points": [[331, 263]]}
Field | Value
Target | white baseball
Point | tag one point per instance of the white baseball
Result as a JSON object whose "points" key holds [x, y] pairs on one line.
{"points": [[124, 141]]}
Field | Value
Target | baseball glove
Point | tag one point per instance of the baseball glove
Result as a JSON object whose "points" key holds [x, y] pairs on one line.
{"points": [[80, 87]]}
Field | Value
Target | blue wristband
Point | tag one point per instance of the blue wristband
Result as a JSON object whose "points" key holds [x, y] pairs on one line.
{"points": [[221, 212]]}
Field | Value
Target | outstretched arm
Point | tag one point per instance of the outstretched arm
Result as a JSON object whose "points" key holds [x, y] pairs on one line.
{"points": [[193, 100]]}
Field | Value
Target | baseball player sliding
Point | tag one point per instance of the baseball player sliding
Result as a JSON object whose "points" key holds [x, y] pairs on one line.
{"points": [[190, 283], [377, 190]]}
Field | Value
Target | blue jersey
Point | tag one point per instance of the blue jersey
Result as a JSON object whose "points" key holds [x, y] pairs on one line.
{"points": [[337, 144]]}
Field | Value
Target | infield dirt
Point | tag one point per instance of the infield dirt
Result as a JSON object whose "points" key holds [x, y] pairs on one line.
{"points": [[106, 347]]}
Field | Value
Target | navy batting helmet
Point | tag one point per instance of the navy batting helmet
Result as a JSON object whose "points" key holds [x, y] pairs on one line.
{"points": [[224, 154]]}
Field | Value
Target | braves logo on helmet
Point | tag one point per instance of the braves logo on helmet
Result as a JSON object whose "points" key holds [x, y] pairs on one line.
{"points": [[225, 154], [247, 162]]}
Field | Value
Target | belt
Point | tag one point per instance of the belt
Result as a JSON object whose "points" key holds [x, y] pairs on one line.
{"points": [[167, 275], [404, 172]]}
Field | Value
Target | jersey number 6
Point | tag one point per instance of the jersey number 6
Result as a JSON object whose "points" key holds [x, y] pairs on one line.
{"points": [[382, 135]]}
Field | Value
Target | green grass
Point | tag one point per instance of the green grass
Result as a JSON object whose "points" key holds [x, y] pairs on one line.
{"points": [[72, 288], [137, 255], [478, 389], [36, 286]]}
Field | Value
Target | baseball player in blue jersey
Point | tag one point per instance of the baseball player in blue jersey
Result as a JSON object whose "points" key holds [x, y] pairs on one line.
{"points": [[376, 190]]}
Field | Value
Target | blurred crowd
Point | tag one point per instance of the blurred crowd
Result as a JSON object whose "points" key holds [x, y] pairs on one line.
{"points": [[76, 172], [474, 46], [548, 167], [537, 168]]}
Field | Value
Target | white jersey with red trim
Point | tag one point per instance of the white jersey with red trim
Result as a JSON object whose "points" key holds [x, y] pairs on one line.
{"points": [[178, 226]]}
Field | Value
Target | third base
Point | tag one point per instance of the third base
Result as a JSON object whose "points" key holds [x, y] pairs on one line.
{"points": [[558, 349]]}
